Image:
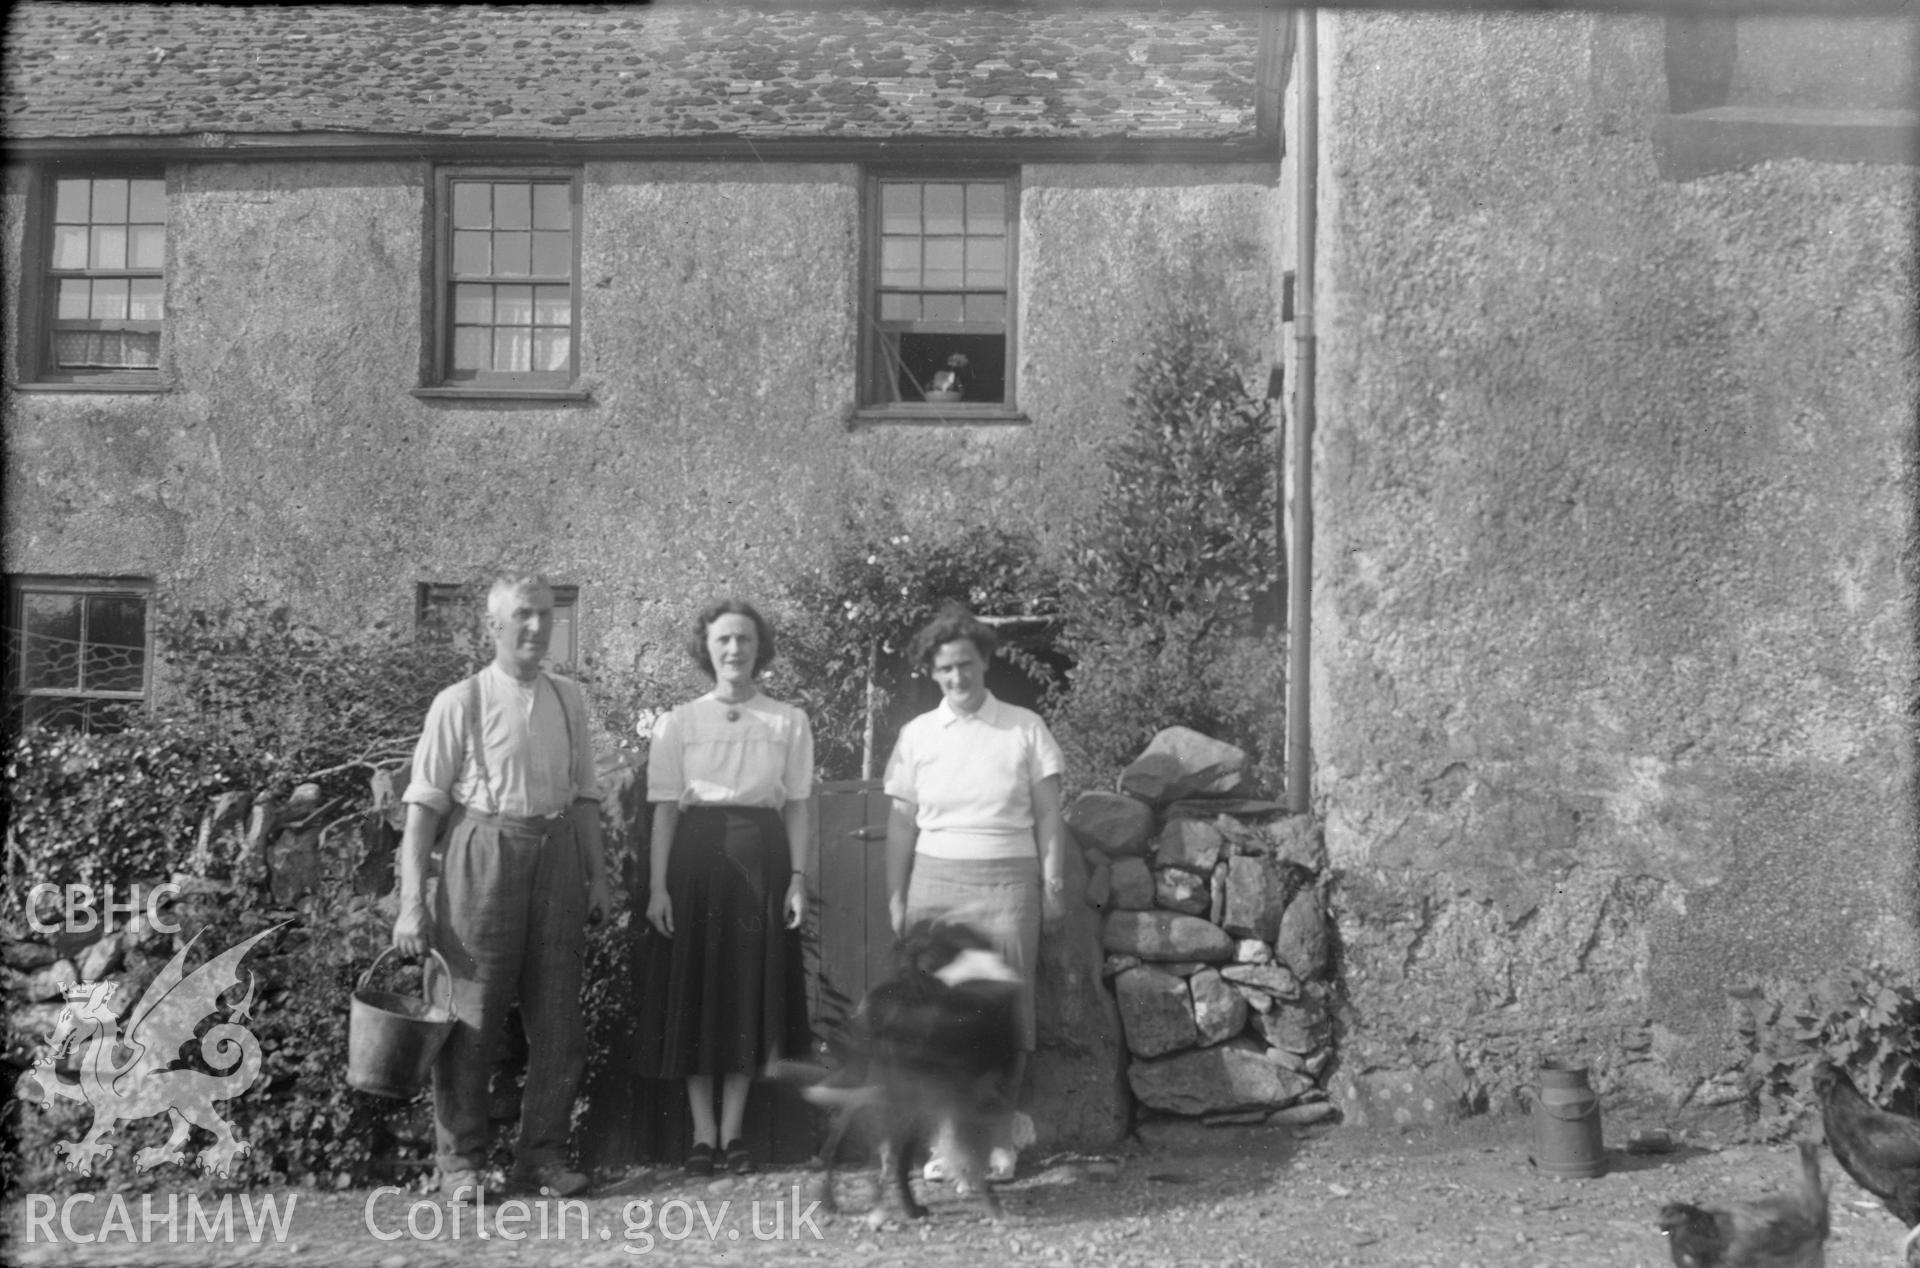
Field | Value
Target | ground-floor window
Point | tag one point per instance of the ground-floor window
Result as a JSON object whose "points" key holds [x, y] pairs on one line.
{"points": [[80, 653]]}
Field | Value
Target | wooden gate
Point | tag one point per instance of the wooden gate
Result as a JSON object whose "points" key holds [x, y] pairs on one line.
{"points": [[853, 940]]}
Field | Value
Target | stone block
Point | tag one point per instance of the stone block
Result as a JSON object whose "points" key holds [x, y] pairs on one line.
{"points": [[1111, 822], [1256, 898], [102, 958], [1166, 935], [1258, 1001], [1099, 893], [52, 982], [1302, 942], [1217, 894], [1118, 964], [1274, 979], [27, 956], [1297, 1026], [1436, 1095], [1132, 885], [1192, 844], [1078, 1095], [1218, 1011], [1179, 763], [1300, 840], [1304, 1114], [1177, 890], [1252, 951], [1156, 1012], [1233, 1076]]}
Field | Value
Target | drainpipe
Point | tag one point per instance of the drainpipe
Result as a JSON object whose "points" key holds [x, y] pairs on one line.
{"points": [[1300, 558]]}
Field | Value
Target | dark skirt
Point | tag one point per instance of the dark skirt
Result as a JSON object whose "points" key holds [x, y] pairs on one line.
{"points": [[728, 992]]}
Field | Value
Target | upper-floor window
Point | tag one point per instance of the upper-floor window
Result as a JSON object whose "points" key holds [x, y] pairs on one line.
{"points": [[940, 293], [454, 613], [95, 299], [508, 296], [79, 653]]}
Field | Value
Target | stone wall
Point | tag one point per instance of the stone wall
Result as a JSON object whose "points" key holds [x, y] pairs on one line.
{"points": [[1614, 605], [1218, 943]]}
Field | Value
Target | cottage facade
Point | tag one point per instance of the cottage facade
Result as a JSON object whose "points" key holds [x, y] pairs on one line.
{"points": [[1613, 611]]}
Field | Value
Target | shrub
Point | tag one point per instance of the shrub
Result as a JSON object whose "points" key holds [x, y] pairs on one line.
{"points": [[854, 615], [1168, 578], [1866, 1021]]}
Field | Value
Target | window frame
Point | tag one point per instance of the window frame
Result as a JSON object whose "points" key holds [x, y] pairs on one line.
{"points": [[440, 377], [869, 405], [40, 288], [18, 693], [566, 598]]}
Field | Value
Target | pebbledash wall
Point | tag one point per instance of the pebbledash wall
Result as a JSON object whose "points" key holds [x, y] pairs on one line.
{"points": [[715, 450], [1614, 592], [718, 339]]}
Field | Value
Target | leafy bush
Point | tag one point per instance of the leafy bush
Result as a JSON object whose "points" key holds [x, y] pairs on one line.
{"points": [[1866, 1021], [855, 614], [1167, 579], [308, 702], [116, 808]]}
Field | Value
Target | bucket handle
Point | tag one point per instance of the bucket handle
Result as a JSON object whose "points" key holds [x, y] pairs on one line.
{"points": [[1535, 1103], [446, 976]]}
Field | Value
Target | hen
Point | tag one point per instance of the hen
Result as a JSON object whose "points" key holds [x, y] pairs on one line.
{"points": [[1881, 1151], [1787, 1230]]}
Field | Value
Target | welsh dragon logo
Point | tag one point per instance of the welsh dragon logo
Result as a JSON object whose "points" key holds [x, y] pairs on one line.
{"points": [[131, 1077]]}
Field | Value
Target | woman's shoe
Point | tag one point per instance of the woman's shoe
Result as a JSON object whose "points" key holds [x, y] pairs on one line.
{"points": [[739, 1161], [700, 1159]]}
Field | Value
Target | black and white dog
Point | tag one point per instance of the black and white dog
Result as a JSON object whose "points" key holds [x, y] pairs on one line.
{"points": [[929, 1050]]}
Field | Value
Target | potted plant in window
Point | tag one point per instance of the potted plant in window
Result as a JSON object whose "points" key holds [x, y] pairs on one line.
{"points": [[945, 385]]}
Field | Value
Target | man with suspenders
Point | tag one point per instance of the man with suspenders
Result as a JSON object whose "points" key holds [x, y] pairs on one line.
{"points": [[506, 754]]}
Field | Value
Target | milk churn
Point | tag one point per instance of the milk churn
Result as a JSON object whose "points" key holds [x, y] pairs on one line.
{"points": [[1566, 1122]]}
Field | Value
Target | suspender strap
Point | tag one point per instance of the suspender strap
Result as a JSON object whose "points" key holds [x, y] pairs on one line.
{"points": [[476, 740]]}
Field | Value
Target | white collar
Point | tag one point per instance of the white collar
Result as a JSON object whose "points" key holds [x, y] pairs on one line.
{"points": [[988, 712]]}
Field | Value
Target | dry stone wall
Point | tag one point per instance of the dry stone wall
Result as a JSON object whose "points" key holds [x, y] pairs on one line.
{"points": [[1216, 936]]}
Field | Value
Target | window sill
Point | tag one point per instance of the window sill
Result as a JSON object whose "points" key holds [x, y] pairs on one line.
{"points": [[95, 386], [555, 394], [1730, 138], [917, 414]]}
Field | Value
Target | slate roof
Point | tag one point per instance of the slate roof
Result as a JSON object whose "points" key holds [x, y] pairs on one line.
{"points": [[607, 72]]}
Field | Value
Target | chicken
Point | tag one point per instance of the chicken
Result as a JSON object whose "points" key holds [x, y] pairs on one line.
{"points": [[1881, 1151], [1778, 1231]]}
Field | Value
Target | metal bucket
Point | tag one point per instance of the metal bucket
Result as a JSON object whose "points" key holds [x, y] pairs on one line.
{"points": [[1566, 1123], [392, 1040]]}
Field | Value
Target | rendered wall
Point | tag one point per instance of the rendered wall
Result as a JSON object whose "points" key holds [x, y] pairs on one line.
{"points": [[718, 342], [1614, 590]]}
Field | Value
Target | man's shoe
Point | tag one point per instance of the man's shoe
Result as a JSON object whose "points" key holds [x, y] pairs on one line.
{"points": [[553, 1180], [462, 1186]]}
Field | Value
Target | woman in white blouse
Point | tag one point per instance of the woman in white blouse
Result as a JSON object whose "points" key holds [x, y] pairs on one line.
{"points": [[723, 986], [975, 832]]}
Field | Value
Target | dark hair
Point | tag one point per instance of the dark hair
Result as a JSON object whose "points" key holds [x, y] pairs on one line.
{"points": [[952, 625], [763, 633]]}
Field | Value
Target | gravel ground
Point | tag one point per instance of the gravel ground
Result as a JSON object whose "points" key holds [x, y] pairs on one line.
{"points": [[1460, 1196]]}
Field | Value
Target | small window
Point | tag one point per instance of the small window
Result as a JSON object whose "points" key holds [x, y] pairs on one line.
{"points": [[454, 613], [79, 651], [96, 303], [508, 295], [940, 294]]}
